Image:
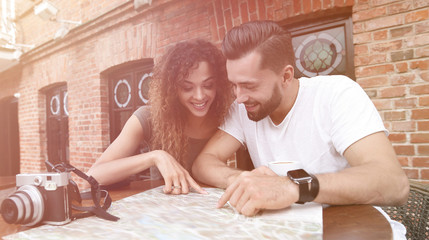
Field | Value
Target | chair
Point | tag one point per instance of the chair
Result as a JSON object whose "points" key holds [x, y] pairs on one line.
{"points": [[414, 215]]}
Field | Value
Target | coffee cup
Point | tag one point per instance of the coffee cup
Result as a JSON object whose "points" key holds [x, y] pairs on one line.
{"points": [[282, 167]]}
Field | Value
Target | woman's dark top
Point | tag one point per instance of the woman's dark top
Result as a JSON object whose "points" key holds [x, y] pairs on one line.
{"points": [[194, 145]]}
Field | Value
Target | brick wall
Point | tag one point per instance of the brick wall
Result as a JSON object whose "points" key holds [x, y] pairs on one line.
{"points": [[391, 44], [34, 30], [8, 85], [392, 64]]}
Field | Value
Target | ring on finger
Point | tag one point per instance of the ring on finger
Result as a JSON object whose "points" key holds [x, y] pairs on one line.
{"points": [[176, 187]]}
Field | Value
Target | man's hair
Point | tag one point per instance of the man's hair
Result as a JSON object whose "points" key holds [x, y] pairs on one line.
{"points": [[266, 37]]}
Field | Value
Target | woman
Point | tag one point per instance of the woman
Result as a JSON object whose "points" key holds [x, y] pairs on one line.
{"points": [[189, 96]]}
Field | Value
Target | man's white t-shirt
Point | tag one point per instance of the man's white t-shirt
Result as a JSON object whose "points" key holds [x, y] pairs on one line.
{"points": [[330, 113]]}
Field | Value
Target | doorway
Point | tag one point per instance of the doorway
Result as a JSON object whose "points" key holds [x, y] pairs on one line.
{"points": [[9, 137]]}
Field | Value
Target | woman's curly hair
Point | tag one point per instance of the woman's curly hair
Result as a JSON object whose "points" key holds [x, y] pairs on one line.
{"points": [[168, 114]]}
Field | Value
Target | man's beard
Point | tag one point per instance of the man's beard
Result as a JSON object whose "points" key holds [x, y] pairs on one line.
{"points": [[268, 107]]}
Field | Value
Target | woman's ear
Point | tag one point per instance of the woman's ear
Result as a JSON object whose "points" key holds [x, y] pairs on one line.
{"points": [[288, 74]]}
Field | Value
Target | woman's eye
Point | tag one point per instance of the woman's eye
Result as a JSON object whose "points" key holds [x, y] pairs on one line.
{"points": [[209, 86], [186, 89]]}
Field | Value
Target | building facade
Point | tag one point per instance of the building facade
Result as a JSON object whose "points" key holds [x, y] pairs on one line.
{"points": [[73, 71]]}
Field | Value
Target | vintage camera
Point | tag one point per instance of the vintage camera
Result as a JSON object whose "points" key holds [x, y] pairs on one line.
{"points": [[40, 198]]}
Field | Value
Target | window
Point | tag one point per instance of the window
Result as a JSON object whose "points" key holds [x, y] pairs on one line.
{"points": [[57, 124], [323, 47], [128, 90]]}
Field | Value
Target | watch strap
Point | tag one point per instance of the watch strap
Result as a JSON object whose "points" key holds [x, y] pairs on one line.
{"points": [[308, 191]]}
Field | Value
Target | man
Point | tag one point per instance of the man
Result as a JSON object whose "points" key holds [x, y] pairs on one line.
{"points": [[327, 123]]}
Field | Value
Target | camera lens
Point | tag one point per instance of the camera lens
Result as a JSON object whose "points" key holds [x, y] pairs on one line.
{"points": [[25, 206], [9, 211]]}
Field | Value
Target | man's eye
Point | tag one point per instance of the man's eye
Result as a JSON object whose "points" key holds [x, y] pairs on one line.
{"points": [[250, 86]]}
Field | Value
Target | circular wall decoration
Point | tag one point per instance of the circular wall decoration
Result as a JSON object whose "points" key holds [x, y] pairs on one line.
{"points": [[55, 105], [144, 87], [122, 93], [66, 103], [318, 55]]}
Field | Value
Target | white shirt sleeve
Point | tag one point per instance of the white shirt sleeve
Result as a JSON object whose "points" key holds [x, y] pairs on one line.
{"points": [[353, 116], [232, 124]]}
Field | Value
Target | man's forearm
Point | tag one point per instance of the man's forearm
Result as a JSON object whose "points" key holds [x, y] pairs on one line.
{"points": [[212, 171], [363, 185]]}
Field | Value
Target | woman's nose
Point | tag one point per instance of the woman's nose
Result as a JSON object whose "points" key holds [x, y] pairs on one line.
{"points": [[198, 93]]}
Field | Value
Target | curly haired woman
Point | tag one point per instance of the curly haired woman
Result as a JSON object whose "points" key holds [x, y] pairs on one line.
{"points": [[189, 96]]}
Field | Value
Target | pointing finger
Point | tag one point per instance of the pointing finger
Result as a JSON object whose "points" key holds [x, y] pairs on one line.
{"points": [[227, 195], [195, 185]]}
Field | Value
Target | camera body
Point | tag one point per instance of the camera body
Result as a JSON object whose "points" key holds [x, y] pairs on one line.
{"points": [[40, 198]]}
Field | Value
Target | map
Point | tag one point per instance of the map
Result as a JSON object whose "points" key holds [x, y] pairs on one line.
{"points": [[155, 215]]}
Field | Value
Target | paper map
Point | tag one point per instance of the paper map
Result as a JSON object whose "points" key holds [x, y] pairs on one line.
{"points": [[155, 215]]}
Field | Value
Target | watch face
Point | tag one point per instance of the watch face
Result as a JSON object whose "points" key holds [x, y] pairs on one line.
{"points": [[299, 175]]}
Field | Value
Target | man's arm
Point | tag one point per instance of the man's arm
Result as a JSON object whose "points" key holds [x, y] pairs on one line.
{"points": [[375, 176], [210, 166]]}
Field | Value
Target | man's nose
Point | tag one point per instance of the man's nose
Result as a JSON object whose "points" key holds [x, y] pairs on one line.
{"points": [[240, 95]]}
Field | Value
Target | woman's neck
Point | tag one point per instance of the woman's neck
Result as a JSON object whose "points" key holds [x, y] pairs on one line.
{"points": [[200, 127]]}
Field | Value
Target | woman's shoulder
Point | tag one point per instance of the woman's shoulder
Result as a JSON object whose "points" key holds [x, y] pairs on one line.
{"points": [[142, 112], [143, 115]]}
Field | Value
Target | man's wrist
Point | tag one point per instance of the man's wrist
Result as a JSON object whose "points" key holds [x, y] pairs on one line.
{"points": [[308, 185], [232, 177], [294, 189]]}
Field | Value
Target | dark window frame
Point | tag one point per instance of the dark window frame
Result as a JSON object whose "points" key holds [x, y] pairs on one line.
{"points": [[57, 131], [133, 71], [317, 24]]}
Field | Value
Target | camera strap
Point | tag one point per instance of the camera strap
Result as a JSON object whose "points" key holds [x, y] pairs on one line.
{"points": [[96, 194]]}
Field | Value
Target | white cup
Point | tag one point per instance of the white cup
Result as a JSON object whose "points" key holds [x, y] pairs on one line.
{"points": [[282, 167]]}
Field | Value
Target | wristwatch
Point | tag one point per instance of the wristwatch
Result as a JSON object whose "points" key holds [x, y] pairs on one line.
{"points": [[307, 183]]}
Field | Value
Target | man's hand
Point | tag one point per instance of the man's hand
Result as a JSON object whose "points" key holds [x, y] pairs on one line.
{"points": [[259, 189], [264, 170]]}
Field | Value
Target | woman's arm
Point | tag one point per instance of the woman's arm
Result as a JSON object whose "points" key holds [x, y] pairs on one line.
{"points": [[117, 162]]}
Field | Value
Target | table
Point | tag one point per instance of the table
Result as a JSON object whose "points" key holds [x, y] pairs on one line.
{"points": [[339, 222]]}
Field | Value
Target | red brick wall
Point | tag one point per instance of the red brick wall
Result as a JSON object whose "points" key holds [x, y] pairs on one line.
{"points": [[227, 13], [392, 63], [33, 30], [8, 83], [391, 39]]}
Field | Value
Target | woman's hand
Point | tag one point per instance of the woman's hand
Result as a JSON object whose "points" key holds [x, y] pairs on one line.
{"points": [[177, 179]]}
